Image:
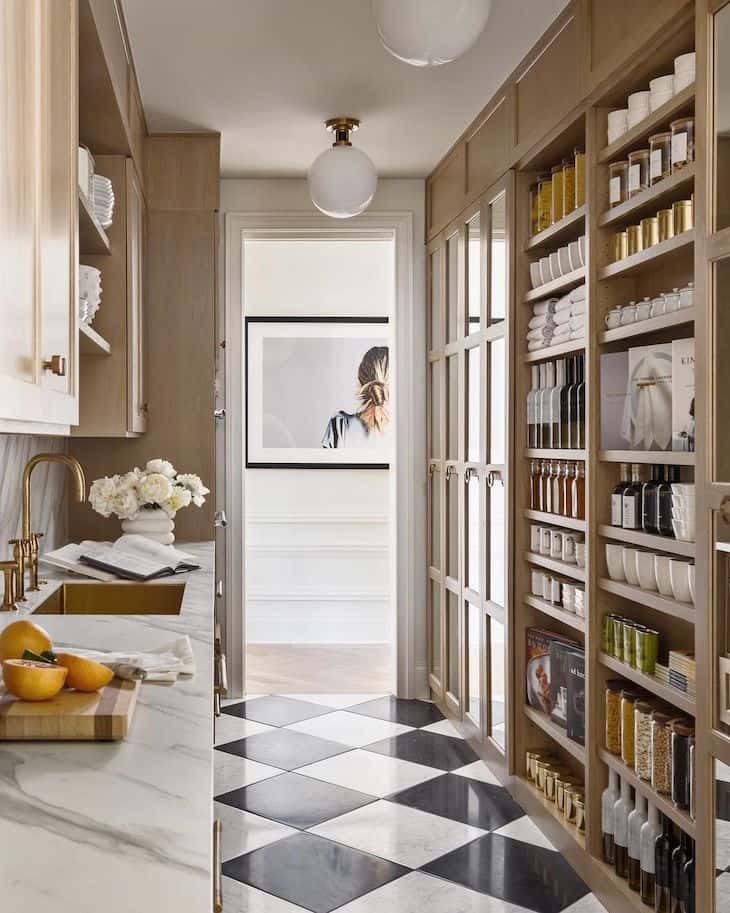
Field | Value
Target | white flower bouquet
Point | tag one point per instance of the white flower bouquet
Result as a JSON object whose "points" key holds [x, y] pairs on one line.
{"points": [[157, 486]]}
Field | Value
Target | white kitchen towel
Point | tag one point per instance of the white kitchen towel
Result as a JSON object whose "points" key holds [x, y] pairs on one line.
{"points": [[578, 307], [561, 317], [578, 334], [578, 294], [538, 321], [545, 332], [163, 664], [544, 307], [577, 322], [563, 304], [534, 344]]}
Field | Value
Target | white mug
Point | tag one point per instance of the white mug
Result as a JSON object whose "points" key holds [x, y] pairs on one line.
{"points": [[545, 539], [535, 532], [568, 550], [556, 544], [580, 554]]}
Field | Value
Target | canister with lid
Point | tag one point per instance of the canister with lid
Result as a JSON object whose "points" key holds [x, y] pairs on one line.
{"points": [[568, 186], [545, 202], [647, 650], [642, 739], [618, 634], [618, 182], [628, 707], [683, 216], [682, 732], [665, 221], [635, 242], [661, 752], [649, 231], [620, 246], [557, 193], [660, 156], [683, 142], [613, 715], [562, 782], [629, 634], [579, 157], [534, 208], [638, 175]]}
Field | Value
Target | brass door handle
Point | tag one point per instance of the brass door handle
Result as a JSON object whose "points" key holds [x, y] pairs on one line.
{"points": [[56, 364], [217, 869]]}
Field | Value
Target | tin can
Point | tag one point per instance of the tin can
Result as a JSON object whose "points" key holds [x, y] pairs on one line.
{"points": [[635, 239], [647, 650], [629, 638], [561, 784], [620, 246], [531, 757], [649, 231], [683, 212], [607, 644], [573, 795], [580, 813], [665, 218]]}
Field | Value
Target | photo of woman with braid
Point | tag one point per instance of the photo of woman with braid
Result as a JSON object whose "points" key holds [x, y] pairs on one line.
{"points": [[366, 427]]}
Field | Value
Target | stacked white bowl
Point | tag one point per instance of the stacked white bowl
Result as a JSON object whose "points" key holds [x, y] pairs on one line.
{"points": [[683, 511], [103, 200], [617, 124], [89, 293], [684, 71], [639, 108], [661, 90], [559, 263], [673, 578]]}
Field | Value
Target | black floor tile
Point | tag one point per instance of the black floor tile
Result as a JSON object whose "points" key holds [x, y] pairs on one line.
{"points": [[462, 799], [315, 873], [409, 713], [284, 748], [276, 711], [429, 748], [517, 872], [295, 800]]}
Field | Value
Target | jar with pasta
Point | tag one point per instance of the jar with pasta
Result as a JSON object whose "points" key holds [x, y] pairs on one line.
{"points": [[661, 752], [642, 739], [628, 708], [568, 186], [683, 142], [534, 209], [545, 202], [579, 157], [613, 716], [557, 188]]}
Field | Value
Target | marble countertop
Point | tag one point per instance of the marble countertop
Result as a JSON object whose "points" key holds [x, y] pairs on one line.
{"points": [[119, 826]]}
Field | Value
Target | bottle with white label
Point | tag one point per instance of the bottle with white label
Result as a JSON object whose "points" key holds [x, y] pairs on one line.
{"points": [[621, 811], [531, 408], [631, 500], [617, 497], [649, 833], [637, 819], [609, 798]]}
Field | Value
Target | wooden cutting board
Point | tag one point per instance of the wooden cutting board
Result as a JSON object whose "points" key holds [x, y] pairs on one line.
{"points": [[71, 716]]}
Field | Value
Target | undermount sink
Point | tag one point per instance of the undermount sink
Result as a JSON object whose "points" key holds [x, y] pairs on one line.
{"points": [[114, 599]]}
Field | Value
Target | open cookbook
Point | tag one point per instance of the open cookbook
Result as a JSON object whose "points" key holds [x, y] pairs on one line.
{"points": [[131, 557]]}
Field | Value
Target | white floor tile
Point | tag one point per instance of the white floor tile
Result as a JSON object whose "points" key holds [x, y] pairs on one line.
{"points": [[590, 904], [477, 770], [231, 772], [231, 728], [336, 701], [370, 773], [527, 831], [722, 893], [420, 893], [722, 771], [396, 832], [243, 832], [444, 727], [240, 898], [349, 728]]}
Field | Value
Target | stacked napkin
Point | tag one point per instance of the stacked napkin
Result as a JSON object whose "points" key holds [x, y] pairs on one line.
{"points": [[557, 320]]}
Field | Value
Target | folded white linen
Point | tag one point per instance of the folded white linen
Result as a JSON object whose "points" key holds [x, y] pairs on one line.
{"points": [[541, 333], [562, 317], [579, 321], [563, 305], [578, 307], [536, 344], [561, 333], [544, 307], [538, 321], [578, 334], [163, 664], [579, 293]]}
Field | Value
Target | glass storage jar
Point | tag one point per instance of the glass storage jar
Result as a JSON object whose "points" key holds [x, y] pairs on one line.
{"points": [[628, 314], [628, 709], [579, 157], [618, 181], [687, 296], [683, 142], [658, 306], [613, 716], [557, 193], [660, 156], [568, 186], [643, 309], [681, 735], [671, 301], [638, 175], [642, 739], [545, 202], [661, 752], [534, 209]]}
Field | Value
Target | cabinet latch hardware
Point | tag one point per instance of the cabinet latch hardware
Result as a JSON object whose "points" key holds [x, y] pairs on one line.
{"points": [[219, 414], [56, 364], [220, 519]]}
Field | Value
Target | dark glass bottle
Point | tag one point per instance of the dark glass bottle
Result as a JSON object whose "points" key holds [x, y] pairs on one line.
{"points": [[663, 849], [531, 407], [649, 515], [681, 855], [617, 509], [546, 418], [571, 399], [687, 905], [545, 490], [631, 500], [535, 485], [664, 501], [564, 403], [580, 407]]}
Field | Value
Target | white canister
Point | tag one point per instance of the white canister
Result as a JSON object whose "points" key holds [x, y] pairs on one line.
{"points": [[671, 301], [628, 314], [617, 123], [535, 533], [613, 318], [643, 309], [556, 544], [658, 306], [538, 584], [568, 550], [569, 597], [639, 102], [687, 296], [545, 539]]}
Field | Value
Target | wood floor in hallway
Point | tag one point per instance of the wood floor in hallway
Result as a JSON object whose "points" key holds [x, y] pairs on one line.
{"points": [[311, 668]]}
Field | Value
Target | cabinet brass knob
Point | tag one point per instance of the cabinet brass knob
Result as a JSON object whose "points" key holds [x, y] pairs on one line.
{"points": [[56, 364]]}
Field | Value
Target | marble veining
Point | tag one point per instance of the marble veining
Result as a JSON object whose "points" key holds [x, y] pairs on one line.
{"points": [[125, 825]]}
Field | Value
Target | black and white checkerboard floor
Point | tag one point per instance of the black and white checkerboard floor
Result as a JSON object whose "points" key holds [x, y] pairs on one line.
{"points": [[370, 804]]}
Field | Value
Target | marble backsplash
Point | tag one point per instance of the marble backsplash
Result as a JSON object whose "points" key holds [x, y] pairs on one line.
{"points": [[48, 500]]}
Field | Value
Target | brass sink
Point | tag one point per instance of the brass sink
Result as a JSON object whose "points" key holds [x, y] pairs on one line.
{"points": [[114, 599]]}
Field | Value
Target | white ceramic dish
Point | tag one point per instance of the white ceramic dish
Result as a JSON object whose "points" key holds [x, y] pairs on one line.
{"points": [[662, 84], [617, 122], [685, 63], [691, 582], [555, 265], [683, 79], [684, 532], [582, 249], [545, 271], [564, 260], [679, 575], [630, 565], [661, 574], [614, 562], [645, 570], [574, 255], [638, 101], [535, 276]]}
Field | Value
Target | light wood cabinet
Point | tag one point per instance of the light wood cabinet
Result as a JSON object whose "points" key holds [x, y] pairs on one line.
{"points": [[38, 216], [136, 226]]}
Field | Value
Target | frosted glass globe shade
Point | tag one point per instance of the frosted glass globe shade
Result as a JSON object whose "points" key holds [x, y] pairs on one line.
{"points": [[428, 33], [342, 182]]}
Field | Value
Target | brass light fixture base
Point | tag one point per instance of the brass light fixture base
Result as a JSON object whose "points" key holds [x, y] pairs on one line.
{"points": [[342, 127]]}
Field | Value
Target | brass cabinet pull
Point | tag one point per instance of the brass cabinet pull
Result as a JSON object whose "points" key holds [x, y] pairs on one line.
{"points": [[217, 870], [56, 364]]}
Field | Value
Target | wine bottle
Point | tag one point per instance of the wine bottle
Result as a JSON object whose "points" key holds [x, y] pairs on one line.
{"points": [[681, 855], [565, 404], [581, 405], [609, 798], [650, 831], [649, 501], [617, 511], [555, 394], [546, 401], [663, 849], [664, 501], [531, 410], [637, 819], [631, 500], [621, 810]]}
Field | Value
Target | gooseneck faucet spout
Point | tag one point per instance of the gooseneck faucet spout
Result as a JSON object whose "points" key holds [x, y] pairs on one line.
{"points": [[74, 468]]}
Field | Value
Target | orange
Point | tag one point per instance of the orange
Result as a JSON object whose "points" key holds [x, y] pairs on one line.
{"points": [[84, 674], [32, 681], [21, 636]]}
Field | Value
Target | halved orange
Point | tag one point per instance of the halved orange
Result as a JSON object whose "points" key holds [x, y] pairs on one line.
{"points": [[33, 681], [20, 636], [84, 674]]}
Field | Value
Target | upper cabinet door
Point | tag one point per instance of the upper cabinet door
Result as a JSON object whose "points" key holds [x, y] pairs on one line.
{"points": [[136, 221]]}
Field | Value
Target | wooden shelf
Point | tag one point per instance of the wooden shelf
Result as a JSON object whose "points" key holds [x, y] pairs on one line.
{"points": [[565, 228], [679, 699], [554, 519], [568, 281], [681, 103], [565, 348], [648, 259], [91, 343], [683, 610], [631, 900], [557, 733], [647, 540], [547, 453], [558, 567], [92, 237], [663, 803], [546, 814], [650, 201], [652, 325], [660, 457], [547, 608]]}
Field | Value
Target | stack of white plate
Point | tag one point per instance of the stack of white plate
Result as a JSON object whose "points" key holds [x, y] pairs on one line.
{"points": [[103, 200], [89, 293], [684, 71], [638, 108], [661, 90]]}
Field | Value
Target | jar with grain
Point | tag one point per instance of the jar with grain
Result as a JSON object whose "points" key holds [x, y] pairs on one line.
{"points": [[642, 739], [568, 186], [682, 732], [661, 752], [638, 176], [579, 157], [618, 182], [557, 188], [683, 142], [613, 716], [534, 209], [628, 709], [545, 202], [660, 156]]}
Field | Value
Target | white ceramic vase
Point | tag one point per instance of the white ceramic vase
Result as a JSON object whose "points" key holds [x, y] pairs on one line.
{"points": [[154, 524]]}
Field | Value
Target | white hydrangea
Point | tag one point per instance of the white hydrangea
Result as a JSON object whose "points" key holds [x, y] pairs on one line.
{"points": [[163, 467], [154, 488]]}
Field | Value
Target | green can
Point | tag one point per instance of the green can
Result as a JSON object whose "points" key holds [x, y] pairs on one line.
{"points": [[618, 637], [629, 638], [607, 634], [647, 650]]}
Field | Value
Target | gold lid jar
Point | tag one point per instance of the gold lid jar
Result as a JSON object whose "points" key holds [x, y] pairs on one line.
{"points": [[635, 239], [665, 220], [638, 177], [620, 246]]}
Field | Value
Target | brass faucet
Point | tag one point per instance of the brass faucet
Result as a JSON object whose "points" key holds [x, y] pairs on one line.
{"points": [[28, 545]]}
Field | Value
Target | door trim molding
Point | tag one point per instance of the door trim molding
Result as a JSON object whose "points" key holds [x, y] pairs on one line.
{"points": [[409, 515]]}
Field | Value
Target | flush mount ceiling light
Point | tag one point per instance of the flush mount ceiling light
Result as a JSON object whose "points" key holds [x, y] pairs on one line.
{"points": [[428, 33], [342, 180]]}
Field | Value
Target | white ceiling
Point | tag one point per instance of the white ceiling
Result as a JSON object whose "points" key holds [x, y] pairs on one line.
{"points": [[267, 74]]}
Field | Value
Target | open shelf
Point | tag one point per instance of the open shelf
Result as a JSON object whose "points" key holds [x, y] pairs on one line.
{"points": [[92, 237], [558, 567], [568, 281], [681, 103], [647, 540], [554, 519], [547, 453], [652, 325], [546, 814], [659, 457], [648, 259], [91, 343], [565, 348], [663, 803], [567, 227], [684, 702], [650, 201], [559, 614], [557, 733], [683, 610]]}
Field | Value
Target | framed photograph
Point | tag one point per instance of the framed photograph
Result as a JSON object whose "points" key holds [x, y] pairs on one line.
{"points": [[318, 393]]}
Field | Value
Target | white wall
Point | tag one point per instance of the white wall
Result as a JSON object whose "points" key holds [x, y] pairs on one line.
{"points": [[293, 514]]}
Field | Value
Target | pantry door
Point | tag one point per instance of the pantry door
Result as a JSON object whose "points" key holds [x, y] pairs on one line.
{"points": [[469, 441]]}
